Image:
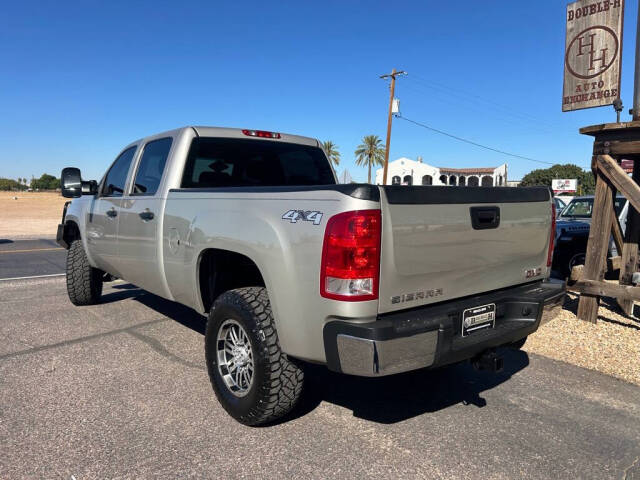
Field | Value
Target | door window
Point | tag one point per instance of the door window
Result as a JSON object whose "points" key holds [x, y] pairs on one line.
{"points": [[117, 175], [151, 167]]}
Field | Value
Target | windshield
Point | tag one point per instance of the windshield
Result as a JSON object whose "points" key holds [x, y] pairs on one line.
{"points": [[583, 207]]}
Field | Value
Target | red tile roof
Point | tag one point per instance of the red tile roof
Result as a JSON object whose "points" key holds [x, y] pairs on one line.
{"points": [[468, 171]]}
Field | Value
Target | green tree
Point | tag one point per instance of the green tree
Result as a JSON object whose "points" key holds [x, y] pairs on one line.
{"points": [[45, 182], [331, 149], [543, 176], [10, 184], [370, 153]]}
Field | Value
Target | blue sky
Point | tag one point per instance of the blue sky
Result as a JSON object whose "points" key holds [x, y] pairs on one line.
{"points": [[80, 80]]}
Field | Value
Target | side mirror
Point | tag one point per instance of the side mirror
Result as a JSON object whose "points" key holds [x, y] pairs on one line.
{"points": [[73, 186]]}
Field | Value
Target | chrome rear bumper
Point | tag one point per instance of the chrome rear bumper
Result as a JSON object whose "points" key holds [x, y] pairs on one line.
{"points": [[430, 336], [367, 358]]}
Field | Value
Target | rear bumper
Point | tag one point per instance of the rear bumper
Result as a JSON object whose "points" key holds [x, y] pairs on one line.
{"points": [[431, 336]]}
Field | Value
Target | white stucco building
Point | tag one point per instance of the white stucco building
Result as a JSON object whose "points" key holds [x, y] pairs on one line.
{"points": [[405, 171]]}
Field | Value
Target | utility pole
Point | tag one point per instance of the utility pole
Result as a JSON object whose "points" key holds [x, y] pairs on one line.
{"points": [[391, 75]]}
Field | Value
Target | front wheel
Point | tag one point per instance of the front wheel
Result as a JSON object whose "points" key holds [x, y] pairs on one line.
{"points": [[254, 381], [84, 283]]}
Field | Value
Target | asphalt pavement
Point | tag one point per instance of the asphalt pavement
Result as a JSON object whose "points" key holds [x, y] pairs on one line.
{"points": [[120, 390], [26, 258]]}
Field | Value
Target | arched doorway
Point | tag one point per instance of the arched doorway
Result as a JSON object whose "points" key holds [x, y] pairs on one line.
{"points": [[443, 179], [472, 182], [487, 181], [407, 180], [452, 180], [427, 180], [395, 180], [461, 181]]}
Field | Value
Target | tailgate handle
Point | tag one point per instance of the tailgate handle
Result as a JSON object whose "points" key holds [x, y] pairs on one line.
{"points": [[483, 218]]}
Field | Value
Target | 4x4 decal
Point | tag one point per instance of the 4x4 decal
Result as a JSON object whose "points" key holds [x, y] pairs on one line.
{"points": [[308, 216]]}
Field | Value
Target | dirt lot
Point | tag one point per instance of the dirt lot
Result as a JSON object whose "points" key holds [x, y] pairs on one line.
{"points": [[611, 346], [33, 214]]}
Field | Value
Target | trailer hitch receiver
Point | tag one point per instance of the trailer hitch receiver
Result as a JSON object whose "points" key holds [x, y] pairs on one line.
{"points": [[488, 361]]}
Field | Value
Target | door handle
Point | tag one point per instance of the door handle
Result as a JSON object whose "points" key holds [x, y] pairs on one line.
{"points": [[112, 213], [146, 215]]}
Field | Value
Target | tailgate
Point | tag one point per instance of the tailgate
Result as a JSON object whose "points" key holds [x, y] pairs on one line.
{"points": [[442, 243]]}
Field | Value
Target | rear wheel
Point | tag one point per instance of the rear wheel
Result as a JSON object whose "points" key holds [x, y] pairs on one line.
{"points": [[84, 283], [254, 381]]}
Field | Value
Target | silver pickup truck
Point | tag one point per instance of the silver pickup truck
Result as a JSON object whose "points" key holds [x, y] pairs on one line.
{"points": [[250, 228]]}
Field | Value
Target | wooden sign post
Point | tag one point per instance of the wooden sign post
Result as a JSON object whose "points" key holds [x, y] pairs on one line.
{"points": [[592, 61]]}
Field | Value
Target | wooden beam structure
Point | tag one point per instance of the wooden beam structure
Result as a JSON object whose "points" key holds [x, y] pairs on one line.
{"points": [[604, 289], [612, 142], [629, 252], [618, 177], [597, 247], [616, 232]]}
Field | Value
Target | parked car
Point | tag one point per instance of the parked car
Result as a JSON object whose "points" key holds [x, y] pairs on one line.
{"points": [[560, 205], [250, 228], [572, 232]]}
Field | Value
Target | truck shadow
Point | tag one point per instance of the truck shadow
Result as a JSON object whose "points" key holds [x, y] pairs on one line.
{"points": [[175, 311], [384, 400], [400, 397]]}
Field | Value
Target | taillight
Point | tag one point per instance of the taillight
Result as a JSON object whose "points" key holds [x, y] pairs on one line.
{"points": [[552, 236], [261, 134], [351, 256]]}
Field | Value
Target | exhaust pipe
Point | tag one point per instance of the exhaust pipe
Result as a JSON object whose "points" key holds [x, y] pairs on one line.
{"points": [[488, 361]]}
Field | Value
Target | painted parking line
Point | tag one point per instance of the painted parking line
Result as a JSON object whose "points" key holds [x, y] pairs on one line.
{"points": [[31, 250], [34, 276]]}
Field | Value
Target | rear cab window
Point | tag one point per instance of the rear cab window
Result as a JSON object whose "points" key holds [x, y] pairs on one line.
{"points": [[151, 167], [232, 162]]}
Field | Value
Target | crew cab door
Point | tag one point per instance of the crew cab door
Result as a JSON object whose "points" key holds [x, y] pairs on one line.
{"points": [[103, 218], [141, 220]]}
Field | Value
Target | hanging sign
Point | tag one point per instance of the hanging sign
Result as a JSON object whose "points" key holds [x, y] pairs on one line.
{"points": [[593, 54]]}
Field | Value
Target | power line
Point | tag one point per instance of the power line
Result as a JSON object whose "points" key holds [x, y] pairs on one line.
{"points": [[455, 137], [494, 115], [468, 96]]}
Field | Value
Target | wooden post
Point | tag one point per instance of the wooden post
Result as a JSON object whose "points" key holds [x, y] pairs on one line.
{"points": [[597, 247], [629, 252]]}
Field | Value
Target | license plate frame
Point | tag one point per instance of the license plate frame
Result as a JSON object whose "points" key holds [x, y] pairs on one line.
{"points": [[478, 318]]}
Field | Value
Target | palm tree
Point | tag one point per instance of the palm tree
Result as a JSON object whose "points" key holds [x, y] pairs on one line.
{"points": [[370, 153], [331, 149]]}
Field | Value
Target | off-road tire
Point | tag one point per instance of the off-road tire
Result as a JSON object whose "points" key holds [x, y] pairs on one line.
{"points": [[277, 382], [84, 283]]}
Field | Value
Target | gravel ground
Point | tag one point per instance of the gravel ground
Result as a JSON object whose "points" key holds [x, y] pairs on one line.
{"points": [[612, 346]]}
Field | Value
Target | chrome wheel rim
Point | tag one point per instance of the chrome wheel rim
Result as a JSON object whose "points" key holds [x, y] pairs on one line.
{"points": [[235, 357]]}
